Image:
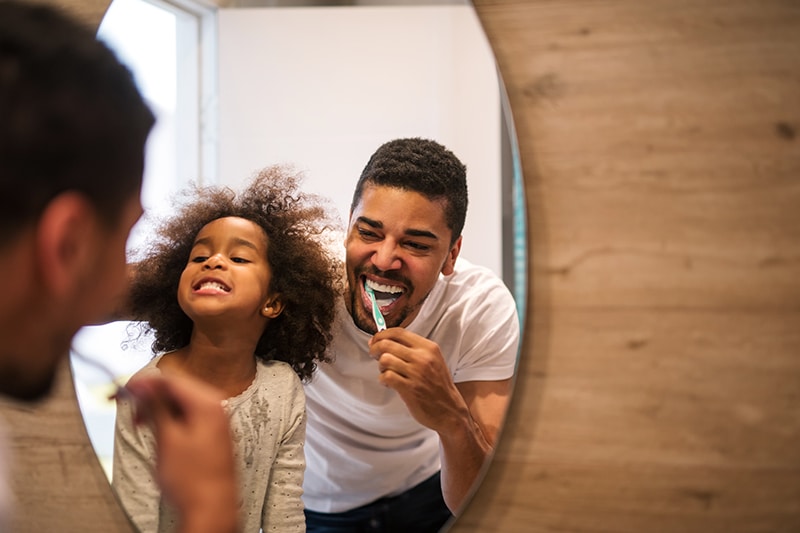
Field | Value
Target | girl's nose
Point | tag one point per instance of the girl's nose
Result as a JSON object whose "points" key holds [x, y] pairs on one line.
{"points": [[213, 262]]}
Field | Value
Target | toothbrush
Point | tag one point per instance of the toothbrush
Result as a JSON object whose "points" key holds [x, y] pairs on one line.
{"points": [[376, 312]]}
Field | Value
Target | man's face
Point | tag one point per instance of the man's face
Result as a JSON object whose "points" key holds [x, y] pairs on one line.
{"points": [[398, 242], [106, 283], [96, 288]]}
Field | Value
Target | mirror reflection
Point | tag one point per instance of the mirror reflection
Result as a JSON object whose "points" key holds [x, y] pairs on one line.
{"points": [[321, 89]]}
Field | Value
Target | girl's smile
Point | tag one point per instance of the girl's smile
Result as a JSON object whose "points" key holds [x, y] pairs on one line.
{"points": [[211, 286]]}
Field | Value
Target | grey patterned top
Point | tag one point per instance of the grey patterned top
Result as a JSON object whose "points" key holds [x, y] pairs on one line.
{"points": [[268, 423]]}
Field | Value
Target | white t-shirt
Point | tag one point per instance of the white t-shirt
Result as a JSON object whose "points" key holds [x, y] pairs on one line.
{"points": [[361, 442]]}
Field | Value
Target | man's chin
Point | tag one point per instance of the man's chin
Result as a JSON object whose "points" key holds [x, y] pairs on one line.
{"points": [[27, 390], [366, 325]]}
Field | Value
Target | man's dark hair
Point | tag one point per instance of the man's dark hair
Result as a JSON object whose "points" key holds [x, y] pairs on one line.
{"points": [[71, 117], [423, 166]]}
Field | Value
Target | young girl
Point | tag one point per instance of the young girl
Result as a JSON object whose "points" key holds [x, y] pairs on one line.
{"points": [[238, 291]]}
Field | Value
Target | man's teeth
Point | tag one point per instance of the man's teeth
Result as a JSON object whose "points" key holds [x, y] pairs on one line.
{"points": [[384, 294], [213, 285], [379, 287], [384, 301]]}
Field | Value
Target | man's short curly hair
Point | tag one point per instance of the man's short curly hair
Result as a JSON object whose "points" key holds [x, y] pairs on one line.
{"points": [[423, 166], [304, 271]]}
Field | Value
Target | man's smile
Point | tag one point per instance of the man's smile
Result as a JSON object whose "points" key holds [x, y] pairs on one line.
{"points": [[385, 294]]}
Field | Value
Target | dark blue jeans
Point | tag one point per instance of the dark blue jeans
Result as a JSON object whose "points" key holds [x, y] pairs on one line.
{"points": [[420, 509]]}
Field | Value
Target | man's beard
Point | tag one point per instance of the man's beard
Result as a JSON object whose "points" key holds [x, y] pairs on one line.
{"points": [[363, 317], [21, 388]]}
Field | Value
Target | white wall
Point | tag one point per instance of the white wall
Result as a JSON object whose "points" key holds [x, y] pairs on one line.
{"points": [[321, 88]]}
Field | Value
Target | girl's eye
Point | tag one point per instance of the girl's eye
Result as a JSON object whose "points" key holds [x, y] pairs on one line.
{"points": [[199, 259], [239, 260]]}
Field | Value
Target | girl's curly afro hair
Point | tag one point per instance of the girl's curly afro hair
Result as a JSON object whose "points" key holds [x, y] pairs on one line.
{"points": [[305, 272]]}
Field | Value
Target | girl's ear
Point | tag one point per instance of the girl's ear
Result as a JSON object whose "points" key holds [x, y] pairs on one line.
{"points": [[272, 307]]}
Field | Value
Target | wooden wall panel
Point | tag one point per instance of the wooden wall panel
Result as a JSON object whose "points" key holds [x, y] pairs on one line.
{"points": [[659, 386], [660, 381]]}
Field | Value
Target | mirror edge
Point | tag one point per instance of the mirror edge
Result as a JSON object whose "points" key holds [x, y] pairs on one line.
{"points": [[526, 391]]}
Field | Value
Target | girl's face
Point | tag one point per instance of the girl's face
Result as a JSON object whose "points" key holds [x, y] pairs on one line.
{"points": [[227, 275]]}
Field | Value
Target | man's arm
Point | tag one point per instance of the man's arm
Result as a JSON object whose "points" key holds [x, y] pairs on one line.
{"points": [[466, 416], [487, 402]]}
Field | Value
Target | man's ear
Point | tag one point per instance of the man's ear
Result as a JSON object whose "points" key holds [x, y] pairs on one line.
{"points": [[347, 229], [272, 307], [452, 255], [65, 241]]}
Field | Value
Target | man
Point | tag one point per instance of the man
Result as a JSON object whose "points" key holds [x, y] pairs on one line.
{"points": [[402, 420], [72, 133]]}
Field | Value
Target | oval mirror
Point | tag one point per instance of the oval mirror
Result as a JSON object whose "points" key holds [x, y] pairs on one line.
{"points": [[240, 87]]}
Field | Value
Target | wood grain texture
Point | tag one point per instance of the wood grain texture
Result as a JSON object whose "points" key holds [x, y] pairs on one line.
{"points": [[659, 383]]}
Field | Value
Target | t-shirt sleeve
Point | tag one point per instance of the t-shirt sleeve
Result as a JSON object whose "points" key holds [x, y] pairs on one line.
{"points": [[490, 332]]}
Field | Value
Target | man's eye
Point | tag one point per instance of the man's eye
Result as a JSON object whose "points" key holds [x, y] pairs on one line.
{"points": [[367, 234], [418, 246]]}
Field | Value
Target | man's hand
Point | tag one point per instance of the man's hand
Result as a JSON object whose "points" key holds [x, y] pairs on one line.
{"points": [[466, 416], [414, 367]]}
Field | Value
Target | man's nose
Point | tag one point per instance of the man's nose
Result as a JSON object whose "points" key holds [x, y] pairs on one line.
{"points": [[386, 257]]}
